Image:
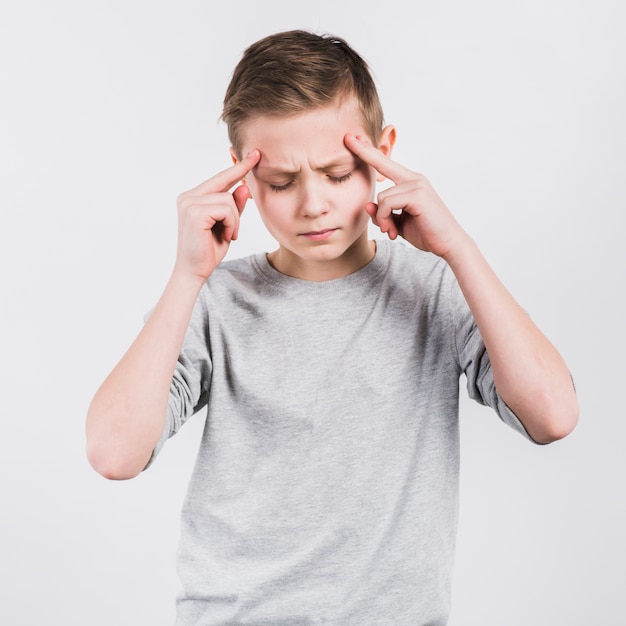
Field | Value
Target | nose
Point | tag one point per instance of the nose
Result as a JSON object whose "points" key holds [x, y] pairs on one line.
{"points": [[313, 200]]}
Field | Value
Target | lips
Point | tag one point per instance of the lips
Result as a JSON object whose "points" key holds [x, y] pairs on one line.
{"points": [[319, 234]]}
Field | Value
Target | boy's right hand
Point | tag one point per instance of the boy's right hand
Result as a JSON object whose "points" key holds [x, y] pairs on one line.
{"points": [[208, 219]]}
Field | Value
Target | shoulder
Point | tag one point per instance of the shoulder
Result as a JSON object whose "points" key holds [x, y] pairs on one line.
{"points": [[233, 273], [237, 266], [237, 282], [415, 268]]}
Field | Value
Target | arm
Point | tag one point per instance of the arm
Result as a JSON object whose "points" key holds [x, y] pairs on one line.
{"points": [[529, 373], [127, 414]]}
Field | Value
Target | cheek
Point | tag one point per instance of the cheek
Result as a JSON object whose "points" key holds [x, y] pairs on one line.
{"points": [[259, 194], [364, 187], [271, 206], [367, 178], [252, 185], [353, 204]]}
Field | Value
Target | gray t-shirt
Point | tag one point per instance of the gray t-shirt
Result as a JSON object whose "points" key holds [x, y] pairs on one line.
{"points": [[326, 485]]}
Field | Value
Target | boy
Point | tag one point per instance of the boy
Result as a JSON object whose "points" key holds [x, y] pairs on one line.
{"points": [[326, 485]]}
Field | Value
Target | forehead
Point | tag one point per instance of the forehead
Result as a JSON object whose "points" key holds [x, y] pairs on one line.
{"points": [[317, 133]]}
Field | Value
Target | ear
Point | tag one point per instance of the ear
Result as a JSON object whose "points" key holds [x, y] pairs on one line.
{"points": [[386, 142]]}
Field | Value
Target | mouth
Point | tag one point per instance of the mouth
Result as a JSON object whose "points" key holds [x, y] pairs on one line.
{"points": [[319, 235]]}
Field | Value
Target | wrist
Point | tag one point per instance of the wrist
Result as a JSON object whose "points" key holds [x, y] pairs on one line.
{"points": [[186, 281], [462, 252]]}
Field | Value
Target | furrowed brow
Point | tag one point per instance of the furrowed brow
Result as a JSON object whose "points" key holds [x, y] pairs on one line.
{"points": [[268, 170], [341, 162], [348, 161]]}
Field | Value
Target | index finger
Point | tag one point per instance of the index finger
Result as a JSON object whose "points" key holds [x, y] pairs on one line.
{"points": [[374, 157], [225, 179]]}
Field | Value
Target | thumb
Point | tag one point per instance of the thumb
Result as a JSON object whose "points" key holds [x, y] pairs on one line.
{"points": [[371, 208], [241, 195]]}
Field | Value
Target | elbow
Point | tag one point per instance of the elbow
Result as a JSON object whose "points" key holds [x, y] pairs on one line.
{"points": [[113, 450], [556, 423], [110, 464], [553, 432]]}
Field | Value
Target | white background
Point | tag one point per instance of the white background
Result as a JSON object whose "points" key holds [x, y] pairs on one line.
{"points": [[109, 110]]}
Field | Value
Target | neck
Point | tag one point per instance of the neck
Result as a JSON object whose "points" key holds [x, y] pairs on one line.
{"points": [[352, 260]]}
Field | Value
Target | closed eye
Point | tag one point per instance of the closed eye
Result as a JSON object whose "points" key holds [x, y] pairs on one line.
{"points": [[333, 179], [340, 179], [281, 187]]}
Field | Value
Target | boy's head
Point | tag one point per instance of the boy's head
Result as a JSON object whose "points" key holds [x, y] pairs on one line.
{"points": [[295, 71]]}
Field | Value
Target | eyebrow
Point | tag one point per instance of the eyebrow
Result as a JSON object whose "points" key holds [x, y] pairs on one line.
{"points": [[348, 161]]}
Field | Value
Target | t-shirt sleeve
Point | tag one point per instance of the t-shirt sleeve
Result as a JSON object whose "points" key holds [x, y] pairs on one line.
{"points": [[474, 360], [191, 380]]}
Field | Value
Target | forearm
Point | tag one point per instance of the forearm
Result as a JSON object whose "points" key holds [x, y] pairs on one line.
{"points": [[529, 373], [128, 412]]}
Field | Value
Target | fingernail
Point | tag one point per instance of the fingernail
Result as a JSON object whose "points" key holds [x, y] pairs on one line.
{"points": [[251, 154]]}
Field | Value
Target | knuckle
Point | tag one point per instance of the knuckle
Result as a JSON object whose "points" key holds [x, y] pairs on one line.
{"points": [[181, 200]]}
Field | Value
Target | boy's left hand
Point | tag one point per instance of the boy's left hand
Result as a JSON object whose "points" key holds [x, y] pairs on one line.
{"points": [[529, 374], [412, 208]]}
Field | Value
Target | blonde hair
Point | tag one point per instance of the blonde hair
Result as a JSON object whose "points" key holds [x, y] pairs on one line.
{"points": [[293, 71]]}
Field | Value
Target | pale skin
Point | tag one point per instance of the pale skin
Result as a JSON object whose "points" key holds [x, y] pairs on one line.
{"points": [[315, 193], [529, 373], [127, 415]]}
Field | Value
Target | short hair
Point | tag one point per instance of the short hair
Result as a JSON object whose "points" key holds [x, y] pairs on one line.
{"points": [[294, 71]]}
